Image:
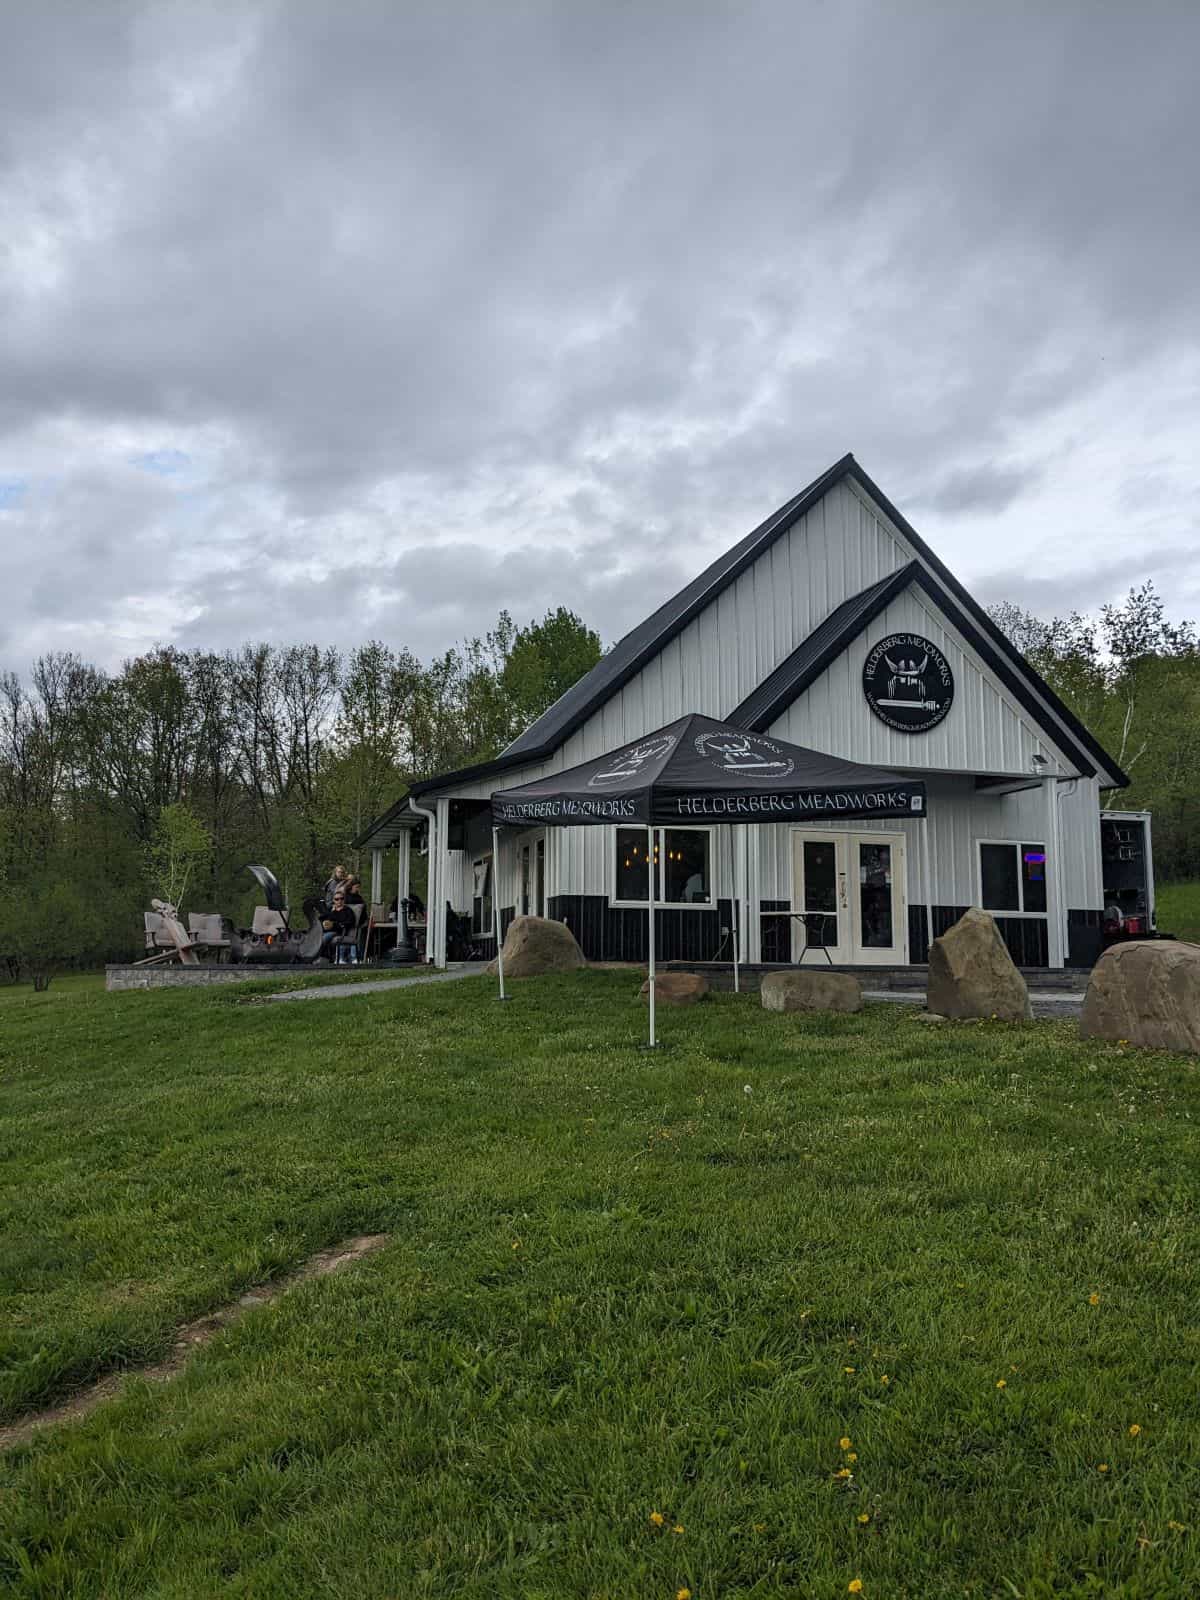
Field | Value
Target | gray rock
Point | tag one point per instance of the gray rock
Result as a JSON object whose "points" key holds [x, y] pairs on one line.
{"points": [[931, 1016], [811, 990], [1148, 992], [535, 945], [675, 989], [971, 973]]}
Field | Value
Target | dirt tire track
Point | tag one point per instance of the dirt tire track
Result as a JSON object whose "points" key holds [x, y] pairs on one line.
{"points": [[191, 1337]]}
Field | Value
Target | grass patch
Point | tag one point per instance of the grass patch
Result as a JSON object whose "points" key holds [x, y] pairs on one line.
{"points": [[1178, 909], [618, 1283]]}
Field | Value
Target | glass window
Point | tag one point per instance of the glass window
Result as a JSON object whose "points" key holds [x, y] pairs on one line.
{"points": [[1000, 881], [685, 879], [481, 904], [1033, 877], [1013, 877], [632, 854], [682, 858]]}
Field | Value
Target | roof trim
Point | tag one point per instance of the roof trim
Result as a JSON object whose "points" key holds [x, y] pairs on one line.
{"points": [[999, 639], [630, 654], [830, 638]]}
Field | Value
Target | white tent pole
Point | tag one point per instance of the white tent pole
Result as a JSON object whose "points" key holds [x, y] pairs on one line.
{"points": [[650, 918], [928, 880], [737, 932], [496, 907]]}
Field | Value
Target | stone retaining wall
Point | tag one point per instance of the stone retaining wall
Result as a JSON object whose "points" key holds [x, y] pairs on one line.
{"points": [[176, 976]]}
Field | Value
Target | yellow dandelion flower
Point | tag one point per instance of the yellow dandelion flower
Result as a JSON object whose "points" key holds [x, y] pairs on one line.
{"points": [[885, 1379], [844, 1473], [852, 1456], [657, 1518], [843, 1443], [864, 1516], [1002, 1383], [847, 1369], [1093, 1299], [760, 1527], [1134, 1429], [854, 1586], [1176, 1527], [678, 1528], [683, 1594], [1103, 1467]]}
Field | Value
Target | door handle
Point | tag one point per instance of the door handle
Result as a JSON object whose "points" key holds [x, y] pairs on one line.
{"points": [[842, 889]]}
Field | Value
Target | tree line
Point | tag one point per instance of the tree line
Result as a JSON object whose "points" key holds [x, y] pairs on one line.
{"points": [[1132, 677], [166, 777]]}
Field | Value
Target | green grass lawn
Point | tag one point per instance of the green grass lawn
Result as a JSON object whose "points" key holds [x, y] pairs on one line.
{"points": [[618, 1284], [1178, 909]]}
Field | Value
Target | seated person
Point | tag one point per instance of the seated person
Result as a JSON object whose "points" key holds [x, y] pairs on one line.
{"points": [[354, 895], [338, 922]]}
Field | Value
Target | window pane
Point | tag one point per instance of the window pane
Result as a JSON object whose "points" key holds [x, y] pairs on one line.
{"points": [[998, 863], [820, 894], [875, 895], [1033, 874], [685, 867], [632, 878]]}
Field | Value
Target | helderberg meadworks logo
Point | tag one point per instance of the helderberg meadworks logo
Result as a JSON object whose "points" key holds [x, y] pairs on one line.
{"points": [[627, 766], [908, 683], [744, 754]]}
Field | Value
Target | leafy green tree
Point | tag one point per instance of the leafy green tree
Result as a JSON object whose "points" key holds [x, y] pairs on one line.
{"points": [[179, 848], [44, 932], [543, 661]]}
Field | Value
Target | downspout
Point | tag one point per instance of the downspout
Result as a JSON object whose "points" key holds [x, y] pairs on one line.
{"points": [[431, 912]]}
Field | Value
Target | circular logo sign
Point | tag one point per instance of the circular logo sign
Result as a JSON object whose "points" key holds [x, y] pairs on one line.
{"points": [[908, 683], [627, 766], [745, 754]]}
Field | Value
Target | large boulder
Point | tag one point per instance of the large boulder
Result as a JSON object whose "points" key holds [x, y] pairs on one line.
{"points": [[971, 973], [534, 945], [675, 989], [811, 989], [1148, 992]]}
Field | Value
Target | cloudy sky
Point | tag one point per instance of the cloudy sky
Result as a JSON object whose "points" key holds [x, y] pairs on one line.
{"points": [[349, 320]]}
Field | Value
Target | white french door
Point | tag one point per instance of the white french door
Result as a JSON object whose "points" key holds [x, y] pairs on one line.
{"points": [[848, 889], [531, 878]]}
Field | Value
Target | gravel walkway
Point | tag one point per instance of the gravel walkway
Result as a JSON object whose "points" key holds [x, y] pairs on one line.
{"points": [[1045, 1002], [341, 991]]}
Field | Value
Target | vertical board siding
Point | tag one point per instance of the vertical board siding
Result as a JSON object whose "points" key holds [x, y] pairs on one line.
{"points": [[843, 545]]}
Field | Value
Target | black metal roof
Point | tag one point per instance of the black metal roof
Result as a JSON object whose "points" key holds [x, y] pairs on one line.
{"points": [[630, 654]]}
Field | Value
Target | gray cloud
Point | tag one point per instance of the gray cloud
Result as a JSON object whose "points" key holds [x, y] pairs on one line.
{"points": [[419, 311]]}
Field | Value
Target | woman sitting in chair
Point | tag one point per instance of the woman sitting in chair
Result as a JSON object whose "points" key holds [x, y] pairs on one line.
{"points": [[339, 923]]}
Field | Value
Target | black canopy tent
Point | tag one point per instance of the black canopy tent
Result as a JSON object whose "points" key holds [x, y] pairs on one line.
{"points": [[698, 770]]}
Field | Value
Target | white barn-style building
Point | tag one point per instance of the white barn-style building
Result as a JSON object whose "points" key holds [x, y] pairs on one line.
{"points": [[834, 626]]}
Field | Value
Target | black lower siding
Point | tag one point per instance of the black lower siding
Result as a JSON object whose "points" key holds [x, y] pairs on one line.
{"points": [[618, 933]]}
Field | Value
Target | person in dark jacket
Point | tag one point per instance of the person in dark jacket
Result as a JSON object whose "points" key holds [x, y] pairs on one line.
{"points": [[339, 921]]}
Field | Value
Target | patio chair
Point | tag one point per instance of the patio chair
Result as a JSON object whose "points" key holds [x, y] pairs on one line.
{"points": [[345, 947], [206, 929], [166, 936], [266, 921]]}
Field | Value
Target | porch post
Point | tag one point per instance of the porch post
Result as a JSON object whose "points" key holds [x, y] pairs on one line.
{"points": [[403, 845], [736, 929], [376, 876], [1055, 954], [927, 874], [496, 907], [443, 877], [650, 918]]}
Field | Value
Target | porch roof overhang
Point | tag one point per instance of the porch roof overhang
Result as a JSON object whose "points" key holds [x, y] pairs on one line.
{"points": [[388, 829]]}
